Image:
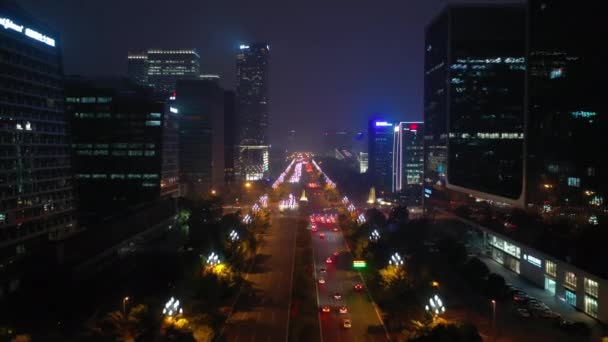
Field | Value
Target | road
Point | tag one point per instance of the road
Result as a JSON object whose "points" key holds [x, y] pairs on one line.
{"points": [[264, 317], [340, 278]]}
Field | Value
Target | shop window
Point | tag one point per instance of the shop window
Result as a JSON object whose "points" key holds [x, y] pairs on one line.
{"points": [[591, 306]]}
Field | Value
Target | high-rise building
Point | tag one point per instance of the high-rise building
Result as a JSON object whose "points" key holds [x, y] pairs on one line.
{"points": [[36, 195], [408, 161], [201, 135], [291, 141], [337, 139], [380, 151], [120, 133], [566, 108], [363, 162], [473, 103], [253, 111], [230, 136], [162, 68]]}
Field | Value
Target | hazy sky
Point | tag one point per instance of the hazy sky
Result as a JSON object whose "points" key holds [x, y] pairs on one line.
{"points": [[334, 63]]}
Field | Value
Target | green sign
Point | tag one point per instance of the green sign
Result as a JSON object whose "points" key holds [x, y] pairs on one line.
{"points": [[359, 264]]}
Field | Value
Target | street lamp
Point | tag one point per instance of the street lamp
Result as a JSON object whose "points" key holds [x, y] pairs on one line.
{"points": [[248, 185], [375, 236], [396, 260], [124, 306], [213, 192], [213, 259], [435, 307], [234, 236], [493, 301], [172, 308]]}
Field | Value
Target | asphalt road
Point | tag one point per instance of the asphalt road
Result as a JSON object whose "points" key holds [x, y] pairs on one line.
{"points": [[340, 278], [264, 317]]}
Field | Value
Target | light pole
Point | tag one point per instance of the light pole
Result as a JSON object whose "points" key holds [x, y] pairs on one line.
{"points": [[494, 317], [124, 306]]}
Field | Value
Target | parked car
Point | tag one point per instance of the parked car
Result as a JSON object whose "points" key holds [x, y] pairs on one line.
{"points": [[523, 313]]}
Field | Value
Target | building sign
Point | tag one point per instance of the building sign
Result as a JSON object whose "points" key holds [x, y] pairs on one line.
{"points": [[533, 260], [8, 24], [359, 264]]}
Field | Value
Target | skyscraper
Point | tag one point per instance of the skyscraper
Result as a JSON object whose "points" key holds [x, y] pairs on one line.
{"points": [[253, 110], [119, 141], [162, 68], [566, 108], [201, 135], [380, 152], [230, 136], [408, 161], [474, 92], [36, 196]]}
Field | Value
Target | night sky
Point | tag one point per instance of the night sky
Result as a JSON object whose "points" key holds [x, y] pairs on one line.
{"points": [[334, 63]]}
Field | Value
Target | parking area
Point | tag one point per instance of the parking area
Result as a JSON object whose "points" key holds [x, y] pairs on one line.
{"points": [[533, 303]]}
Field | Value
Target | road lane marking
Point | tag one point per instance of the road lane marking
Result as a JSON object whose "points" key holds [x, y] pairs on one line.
{"points": [[314, 264], [293, 262]]}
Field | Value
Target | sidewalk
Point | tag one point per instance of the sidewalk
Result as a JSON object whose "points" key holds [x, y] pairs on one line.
{"points": [[568, 312]]}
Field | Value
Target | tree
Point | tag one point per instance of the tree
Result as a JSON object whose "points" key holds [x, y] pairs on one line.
{"points": [[496, 285], [476, 270], [450, 333], [126, 329]]}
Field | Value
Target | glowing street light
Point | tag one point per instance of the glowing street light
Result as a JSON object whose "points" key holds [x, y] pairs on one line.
{"points": [[435, 306], [234, 236], [375, 236], [213, 259], [172, 308], [248, 185], [396, 260], [344, 200], [361, 218], [255, 208], [247, 219], [351, 208], [124, 306]]}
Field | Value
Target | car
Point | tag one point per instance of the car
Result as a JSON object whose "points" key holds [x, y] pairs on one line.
{"points": [[358, 287], [335, 229], [328, 260], [523, 313], [550, 314], [314, 228], [346, 323], [342, 309], [325, 308], [337, 296], [520, 298], [336, 253], [322, 235], [321, 280]]}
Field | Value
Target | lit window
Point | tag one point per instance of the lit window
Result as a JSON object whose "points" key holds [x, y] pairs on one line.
{"points": [[117, 176], [100, 152], [87, 100], [134, 176], [83, 176], [135, 153], [99, 176], [150, 175], [149, 153], [152, 122], [104, 99], [574, 182], [553, 168], [119, 153], [154, 115], [591, 306], [556, 73], [591, 287], [103, 115], [2, 218], [72, 99], [591, 171], [570, 279], [550, 268], [149, 184]]}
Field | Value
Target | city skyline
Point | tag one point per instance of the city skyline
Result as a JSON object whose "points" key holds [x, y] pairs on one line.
{"points": [[337, 86]]}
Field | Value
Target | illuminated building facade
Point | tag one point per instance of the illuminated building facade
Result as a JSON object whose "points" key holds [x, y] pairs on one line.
{"points": [[474, 103], [566, 107], [201, 136], [118, 142], [380, 152], [36, 194], [162, 68], [252, 160], [408, 161]]}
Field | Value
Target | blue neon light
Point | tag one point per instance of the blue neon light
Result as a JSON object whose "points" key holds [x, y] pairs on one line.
{"points": [[383, 124]]}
